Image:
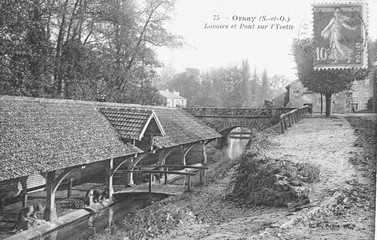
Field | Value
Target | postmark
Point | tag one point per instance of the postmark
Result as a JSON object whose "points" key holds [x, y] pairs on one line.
{"points": [[339, 32]]}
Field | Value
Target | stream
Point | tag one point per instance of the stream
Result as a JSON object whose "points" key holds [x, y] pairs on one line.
{"points": [[85, 228]]}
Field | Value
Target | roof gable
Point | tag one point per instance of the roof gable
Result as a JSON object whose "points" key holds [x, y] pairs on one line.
{"points": [[181, 128], [131, 123]]}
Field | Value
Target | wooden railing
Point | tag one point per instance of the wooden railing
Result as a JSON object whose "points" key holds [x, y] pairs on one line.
{"points": [[154, 170], [287, 119]]}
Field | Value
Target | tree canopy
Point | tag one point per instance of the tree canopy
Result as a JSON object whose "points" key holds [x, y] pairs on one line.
{"points": [[83, 49], [231, 86], [326, 82]]}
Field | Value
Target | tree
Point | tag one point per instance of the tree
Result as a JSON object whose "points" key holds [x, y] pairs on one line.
{"points": [[24, 64], [83, 49], [326, 82], [278, 84], [246, 88], [254, 86], [265, 92], [187, 83]]}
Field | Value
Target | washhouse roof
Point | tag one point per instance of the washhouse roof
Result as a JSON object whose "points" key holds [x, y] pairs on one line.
{"points": [[41, 135], [181, 128], [131, 123]]}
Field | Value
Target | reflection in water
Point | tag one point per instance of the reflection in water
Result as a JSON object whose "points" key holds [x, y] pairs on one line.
{"points": [[236, 146]]}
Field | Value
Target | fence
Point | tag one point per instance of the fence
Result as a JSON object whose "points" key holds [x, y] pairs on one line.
{"points": [[292, 116]]}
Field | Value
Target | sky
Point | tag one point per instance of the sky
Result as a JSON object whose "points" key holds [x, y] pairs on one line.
{"points": [[207, 47]]}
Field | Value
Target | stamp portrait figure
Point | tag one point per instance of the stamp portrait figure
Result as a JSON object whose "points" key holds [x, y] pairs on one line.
{"points": [[333, 32]]}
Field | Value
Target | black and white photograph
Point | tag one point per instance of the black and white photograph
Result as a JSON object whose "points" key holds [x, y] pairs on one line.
{"points": [[188, 119]]}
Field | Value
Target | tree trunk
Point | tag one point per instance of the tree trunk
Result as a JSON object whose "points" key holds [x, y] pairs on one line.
{"points": [[328, 104], [374, 80]]}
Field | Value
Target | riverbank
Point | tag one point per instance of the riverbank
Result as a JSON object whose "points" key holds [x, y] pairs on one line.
{"points": [[342, 202]]}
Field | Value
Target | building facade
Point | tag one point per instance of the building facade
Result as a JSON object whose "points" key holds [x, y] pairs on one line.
{"points": [[173, 99], [362, 91], [297, 96]]}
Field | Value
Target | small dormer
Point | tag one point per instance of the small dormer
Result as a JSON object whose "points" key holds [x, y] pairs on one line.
{"points": [[136, 125]]}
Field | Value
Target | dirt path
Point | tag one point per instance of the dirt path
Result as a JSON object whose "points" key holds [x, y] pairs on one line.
{"points": [[327, 142]]}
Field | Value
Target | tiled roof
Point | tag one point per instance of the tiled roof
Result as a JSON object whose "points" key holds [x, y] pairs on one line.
{"points": [[130, 122], [39, 135], [181, 128]]}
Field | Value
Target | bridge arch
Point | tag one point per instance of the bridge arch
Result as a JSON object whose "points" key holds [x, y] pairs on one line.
{"points": [[227, 125]]}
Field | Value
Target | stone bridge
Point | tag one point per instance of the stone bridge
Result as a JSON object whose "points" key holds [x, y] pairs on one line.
{"points": [[226, 119]]}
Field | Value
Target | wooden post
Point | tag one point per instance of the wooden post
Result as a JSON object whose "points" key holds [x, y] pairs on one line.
{"points": [[69, 192], [23, 182], [188, 182], [166, 175], [183, 155], [204, 153], [205, 160], [111, 216], [24, 195], [281, 126], [50, 211], [150, 183], [201, 176], [109, 177], [130, 176]]}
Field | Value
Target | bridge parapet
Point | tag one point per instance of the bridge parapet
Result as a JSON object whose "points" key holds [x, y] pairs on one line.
{"points": [[230, 112], [225, 119], [236, 112]]}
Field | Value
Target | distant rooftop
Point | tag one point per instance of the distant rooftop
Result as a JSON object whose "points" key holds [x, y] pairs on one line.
{"points": [[171, 94]]}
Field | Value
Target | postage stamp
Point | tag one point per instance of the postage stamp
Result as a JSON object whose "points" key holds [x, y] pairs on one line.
{"points": [[339, 31]]}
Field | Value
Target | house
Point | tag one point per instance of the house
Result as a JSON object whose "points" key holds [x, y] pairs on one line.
{"points": [[362, 91], [297, 96], [173, 99]]}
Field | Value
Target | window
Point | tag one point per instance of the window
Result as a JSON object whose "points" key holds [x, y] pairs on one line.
{"points": [[366, 81]]}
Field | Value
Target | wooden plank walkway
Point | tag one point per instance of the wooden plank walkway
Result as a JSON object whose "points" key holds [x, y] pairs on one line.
{"points": [[169, 189], [162, 188]]}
